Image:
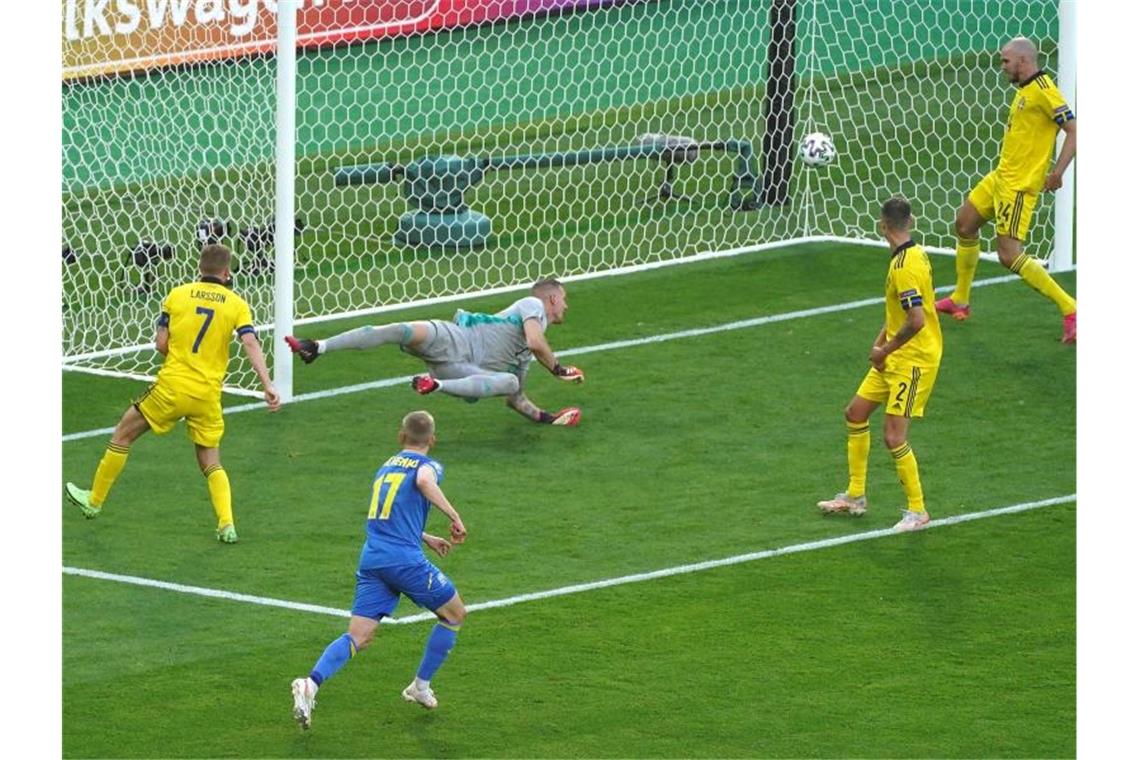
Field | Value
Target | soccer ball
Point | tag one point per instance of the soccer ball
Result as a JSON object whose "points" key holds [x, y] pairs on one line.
{"points": [[817, 149]]}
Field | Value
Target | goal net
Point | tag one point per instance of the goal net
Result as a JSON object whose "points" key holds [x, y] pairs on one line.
{"points": [[449, 147]]}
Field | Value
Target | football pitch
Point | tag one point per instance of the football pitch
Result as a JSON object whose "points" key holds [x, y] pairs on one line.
{"points": [[712, 423]]}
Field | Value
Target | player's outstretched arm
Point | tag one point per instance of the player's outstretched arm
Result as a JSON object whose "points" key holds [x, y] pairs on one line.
{"points": [[429, 487], [570, 416], [544, 354], [252, 347]]}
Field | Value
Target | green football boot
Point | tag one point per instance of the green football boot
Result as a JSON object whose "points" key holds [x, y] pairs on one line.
{"points": [[227, 534], [82, 499]]}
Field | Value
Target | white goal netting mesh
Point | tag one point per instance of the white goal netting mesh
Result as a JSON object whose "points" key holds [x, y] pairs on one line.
{"points": [[524, 138]]}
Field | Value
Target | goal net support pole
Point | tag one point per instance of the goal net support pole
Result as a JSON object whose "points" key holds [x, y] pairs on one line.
{"points": [[1065, 208], [285, 188]]}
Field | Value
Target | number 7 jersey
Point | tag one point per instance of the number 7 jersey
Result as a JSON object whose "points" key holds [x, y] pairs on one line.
{"points": [[202, 318], [397, 512]]}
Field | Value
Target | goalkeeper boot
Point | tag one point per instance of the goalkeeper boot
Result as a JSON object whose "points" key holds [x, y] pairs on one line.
{"points": [[570, 416], [947, 306], [304, 700], [227, 534], [912, 521], [82, 499], [1070, 334], [306, 348], [424, 696], [856, 507], [424, 384]]}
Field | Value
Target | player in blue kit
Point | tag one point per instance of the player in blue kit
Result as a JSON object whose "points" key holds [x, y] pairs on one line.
{"points": [[392, 562]]}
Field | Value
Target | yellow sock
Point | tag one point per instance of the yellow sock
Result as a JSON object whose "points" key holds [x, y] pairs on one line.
{"points": [[113, 461], [1037, 278], [858, 450], [966, 263], [219, 484], [907, 467]]}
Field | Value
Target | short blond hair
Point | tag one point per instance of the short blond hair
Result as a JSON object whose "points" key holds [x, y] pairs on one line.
{"points": [[215, 260], [544, 286], [417, 428]]}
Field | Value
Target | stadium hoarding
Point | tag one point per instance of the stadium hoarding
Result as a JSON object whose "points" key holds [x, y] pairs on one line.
{"points": [[102, 37]]}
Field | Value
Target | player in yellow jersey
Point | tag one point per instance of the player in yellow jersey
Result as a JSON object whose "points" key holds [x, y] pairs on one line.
{"points": [[194, 331], [904, 365], [1008, 194]]}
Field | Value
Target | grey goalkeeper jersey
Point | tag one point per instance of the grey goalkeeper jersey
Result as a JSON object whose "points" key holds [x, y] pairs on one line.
{"points": [[498, 341]]}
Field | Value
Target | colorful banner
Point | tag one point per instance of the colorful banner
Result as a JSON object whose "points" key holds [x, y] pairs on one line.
{"points": [[109, 36]]}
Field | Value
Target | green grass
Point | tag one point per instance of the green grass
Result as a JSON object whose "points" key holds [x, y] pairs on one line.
{"points": [[958, 642]]}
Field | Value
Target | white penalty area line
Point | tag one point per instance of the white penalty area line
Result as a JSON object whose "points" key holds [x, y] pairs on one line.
{"points": [[577, 588], [633, 342]]}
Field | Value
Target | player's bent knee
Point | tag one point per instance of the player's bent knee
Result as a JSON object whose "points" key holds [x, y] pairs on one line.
{"points": [[362, 638], [893, 440], [965, 228]]}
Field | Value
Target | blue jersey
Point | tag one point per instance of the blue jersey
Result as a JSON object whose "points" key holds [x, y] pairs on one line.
{"points": [[398, 512]]}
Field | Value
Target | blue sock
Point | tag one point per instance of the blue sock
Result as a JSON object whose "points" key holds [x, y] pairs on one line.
{"points": [[336, 654], [439, 644]]}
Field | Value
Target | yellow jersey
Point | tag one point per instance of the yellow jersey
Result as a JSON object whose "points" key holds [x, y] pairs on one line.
{"points": [[1038, 110], [202, 318], [910, 283]]}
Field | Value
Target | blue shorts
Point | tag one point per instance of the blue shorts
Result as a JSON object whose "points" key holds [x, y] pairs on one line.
{"points": [[378, 589]]}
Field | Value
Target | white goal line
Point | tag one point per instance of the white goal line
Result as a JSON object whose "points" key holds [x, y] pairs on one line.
{"points": [[662, 338], [74, 362], [575, 588]]}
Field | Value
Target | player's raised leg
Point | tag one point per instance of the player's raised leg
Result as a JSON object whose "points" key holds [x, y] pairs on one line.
{"points": [[466, 381], [131, 425], [853, 500], [1034, 275], [967, 224], [439, 644], [369, 336]]}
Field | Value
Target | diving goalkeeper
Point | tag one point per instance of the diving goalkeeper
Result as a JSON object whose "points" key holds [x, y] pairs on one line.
{"points": [[476, 355]]}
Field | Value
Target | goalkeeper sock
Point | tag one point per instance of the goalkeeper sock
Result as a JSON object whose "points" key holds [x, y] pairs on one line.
{"points": [[1037, 278], [907, 466], [858, 451], [440, 642], [335, 656], [966, 263], [481, 386], [368, 336], [219, 484], [113, 461]]}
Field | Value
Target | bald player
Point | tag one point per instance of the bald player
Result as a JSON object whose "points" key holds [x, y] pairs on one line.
{"points": [[475, 355], [1008, 194]]}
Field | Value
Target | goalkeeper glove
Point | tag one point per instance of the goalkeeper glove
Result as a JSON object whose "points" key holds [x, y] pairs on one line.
{"points": [[573, 374]]}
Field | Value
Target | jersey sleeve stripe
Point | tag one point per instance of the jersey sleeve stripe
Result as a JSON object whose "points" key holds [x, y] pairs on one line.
{"points": [[246, 330]]}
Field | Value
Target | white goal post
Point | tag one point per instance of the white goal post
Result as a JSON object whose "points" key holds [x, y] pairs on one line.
{"points": [[360, 156]]}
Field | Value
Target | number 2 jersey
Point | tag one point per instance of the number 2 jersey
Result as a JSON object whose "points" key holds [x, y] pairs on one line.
{"points": [[202, 318], [397, 512]]}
